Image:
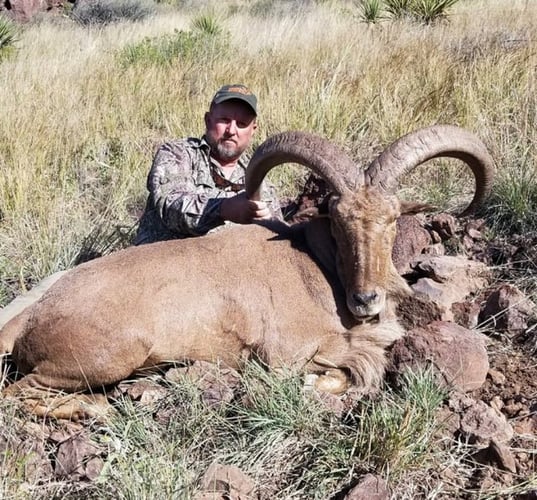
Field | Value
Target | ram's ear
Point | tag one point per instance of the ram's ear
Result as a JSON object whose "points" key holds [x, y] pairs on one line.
{"points": [[411, 207]]}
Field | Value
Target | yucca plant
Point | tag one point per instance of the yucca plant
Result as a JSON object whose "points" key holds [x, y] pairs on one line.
{"points": [[428, 11], [8, 36], [206, 24], [370, 11], [397, 8], [423, 11]]}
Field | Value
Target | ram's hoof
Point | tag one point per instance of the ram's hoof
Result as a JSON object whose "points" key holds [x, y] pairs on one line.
{"points": [[334, 381]]}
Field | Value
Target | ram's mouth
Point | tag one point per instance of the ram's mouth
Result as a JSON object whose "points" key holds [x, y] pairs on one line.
{"points": [[368, 320]]}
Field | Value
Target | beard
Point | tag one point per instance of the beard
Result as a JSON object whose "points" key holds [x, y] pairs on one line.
{"points": [[227, 151]]}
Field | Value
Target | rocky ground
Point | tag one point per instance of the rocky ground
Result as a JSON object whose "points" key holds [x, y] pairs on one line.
{"points": [[497, 412]]}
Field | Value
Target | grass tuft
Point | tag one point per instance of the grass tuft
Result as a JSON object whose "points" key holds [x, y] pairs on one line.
{"points": [[8, 37]]}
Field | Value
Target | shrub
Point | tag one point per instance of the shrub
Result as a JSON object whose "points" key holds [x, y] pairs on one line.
{"points": [[186, 45], [112, 11], [425, 11], [370, 10], [8, 37], [428, 11]]}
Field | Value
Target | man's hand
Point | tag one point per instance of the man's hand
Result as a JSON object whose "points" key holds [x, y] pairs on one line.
{"points": [[241, 210]]}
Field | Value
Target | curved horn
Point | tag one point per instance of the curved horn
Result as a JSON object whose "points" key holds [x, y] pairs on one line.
{"points": [[314, 152], [437, 141]]}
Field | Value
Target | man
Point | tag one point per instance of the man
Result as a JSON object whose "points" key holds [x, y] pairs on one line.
{"points": [[196, 185]]}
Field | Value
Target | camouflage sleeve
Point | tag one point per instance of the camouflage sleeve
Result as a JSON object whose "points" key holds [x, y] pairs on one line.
{"points": [[183, 204]]}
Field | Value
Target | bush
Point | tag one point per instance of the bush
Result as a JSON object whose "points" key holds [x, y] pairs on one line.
{"points": [[425, 11], [186, 45], [8, 37], [370, 10], [112, 11], [428, 11]]}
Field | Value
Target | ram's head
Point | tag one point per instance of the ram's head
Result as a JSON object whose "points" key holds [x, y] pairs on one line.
{"points": [[364, 207]]}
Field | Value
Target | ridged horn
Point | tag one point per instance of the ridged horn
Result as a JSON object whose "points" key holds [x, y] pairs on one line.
{"points": [[320, 155], [437, 141]]}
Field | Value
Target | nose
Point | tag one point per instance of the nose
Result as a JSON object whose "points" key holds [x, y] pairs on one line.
{"points": [[232, 127], [364, 299]]}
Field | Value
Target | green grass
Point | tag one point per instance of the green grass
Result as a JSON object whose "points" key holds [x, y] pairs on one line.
{"points": [[181, 47], [289, 442]]}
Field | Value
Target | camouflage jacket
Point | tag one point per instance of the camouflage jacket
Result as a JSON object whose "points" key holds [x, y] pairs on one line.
{"points": [[186, 188]]}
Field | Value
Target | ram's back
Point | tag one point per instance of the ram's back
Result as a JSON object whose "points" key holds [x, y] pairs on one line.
{"points": [[223, 296]]}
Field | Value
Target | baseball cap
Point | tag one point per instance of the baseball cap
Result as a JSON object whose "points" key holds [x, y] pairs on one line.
{"points": [[236, 91]]}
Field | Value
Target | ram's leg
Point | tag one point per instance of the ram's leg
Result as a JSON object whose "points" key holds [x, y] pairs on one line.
{"points": [[46, 402]]}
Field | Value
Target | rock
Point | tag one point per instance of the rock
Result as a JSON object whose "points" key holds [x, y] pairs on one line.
{"points": [[444, 225], [436, 249], [457, 353], [526, 425], [23, 455], [449, 269], [474, 228], [144, 390], [370, 487], [226, 481], [416, 311], [449, 280], [502, 456], [73, 457], [497, 454], [216, 382], [466, 313], [480, 424], [410, 241], [25, 10], [497, 377], [508, 310]]}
